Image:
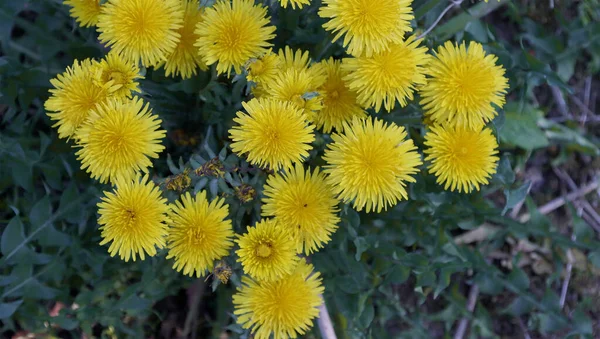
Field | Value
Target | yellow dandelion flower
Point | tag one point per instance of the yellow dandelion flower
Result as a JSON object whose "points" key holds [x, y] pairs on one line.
{"points": [[388, 76], [233, 32], [461, 158], [339, 102], [199, 233], [85, 12], [304, 204], [298, 60], [273, 133], [185, 59], [119, 74], [285, 308], [298, 88], [118, 139], [463, 86], [264, 69], [368, 26], [266, 251], [133, 218], [294, 3], [73, 96], [370, 163], [143, 30]]}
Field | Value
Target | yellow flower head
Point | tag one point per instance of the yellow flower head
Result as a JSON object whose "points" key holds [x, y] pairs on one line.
{"points": [[133, 217], [264, 69], [118, 139], [304, 204], [298, 60], [119, 74], [370, 163], [285, 308], [294, 3], [73, 96], [387, 76], [266, 251], [143, 30], [85, 12], [461, 158], [463, 86], [368, 26], [199, 233], [273, 133], [339, 102], [185, 59], [233, 32], [298, 88]]}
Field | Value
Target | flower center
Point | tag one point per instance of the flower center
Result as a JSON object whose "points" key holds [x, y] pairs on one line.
{"points": [[129, 218], [257, 67], [117, 77], [195, 235], [115, 142], [263, 250], [334, 95]]}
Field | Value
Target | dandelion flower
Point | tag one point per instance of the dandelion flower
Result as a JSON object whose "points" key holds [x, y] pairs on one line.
{"points": [[185, 59], [370, 163], [266, 252], [85, 12], [119, 74], [285, 308], [118, 139], [199, 233], [264, 69], [273, 133], [73, 96], [133, 218], [464, 84], [298, 88], [461, 158], [294, 3], [233, 32], [387, 76], [304, 204], [298, 60], [143, 30], [339, 102], [368, 26]]}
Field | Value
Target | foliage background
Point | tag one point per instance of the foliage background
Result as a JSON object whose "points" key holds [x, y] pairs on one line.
{"points": [[414, 271]]}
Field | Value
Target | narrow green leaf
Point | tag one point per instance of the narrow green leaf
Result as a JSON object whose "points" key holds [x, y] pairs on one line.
{"points": [[8, 309]]}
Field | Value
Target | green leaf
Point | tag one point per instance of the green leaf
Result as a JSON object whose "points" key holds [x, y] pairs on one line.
{"points": [[347, 284], [515, 196], [594, 258], [426, 278], [12, 237], [36, 290], [40, 213], [398, 275], [504, 173], [519, 279], [49, 236], [522, 130], [133, 302], [366, 316], [8, 309], [63, 322], [582, 322], [519, 306], [488, 284], [362, 245]]}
